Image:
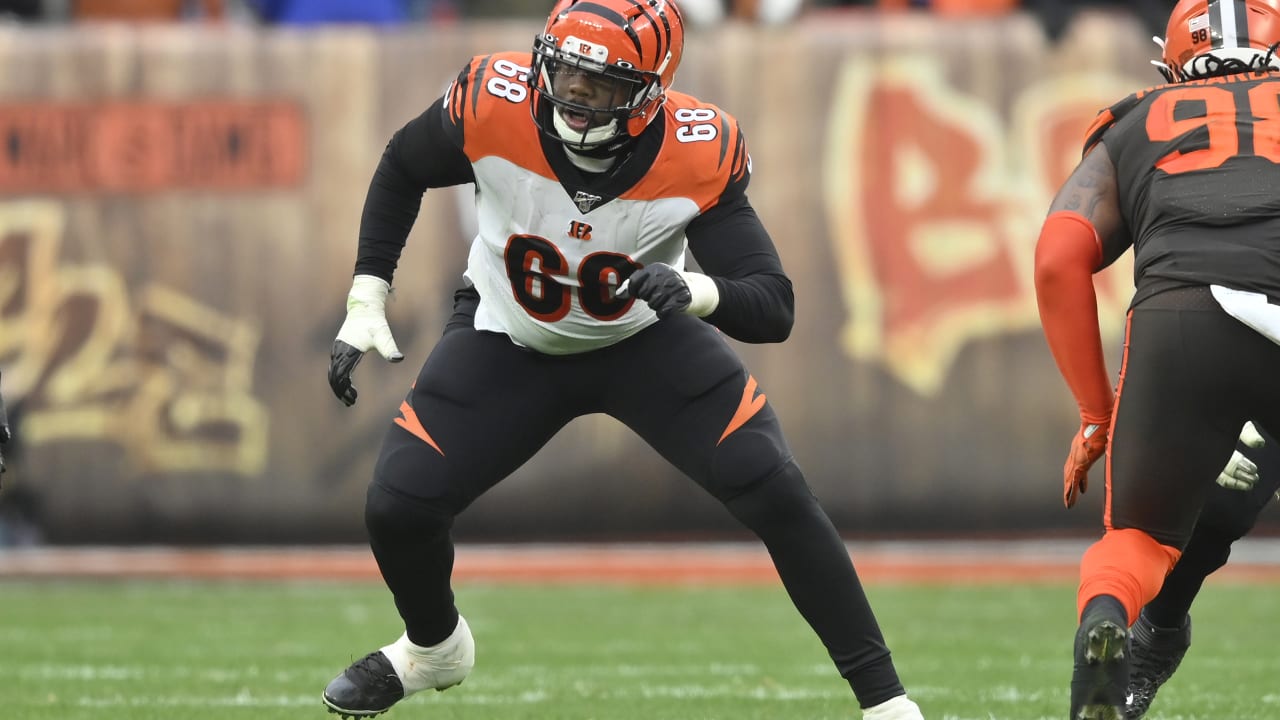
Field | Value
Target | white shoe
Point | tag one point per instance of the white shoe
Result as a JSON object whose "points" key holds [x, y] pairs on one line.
{"points": [[899, 708], [438, 667]]}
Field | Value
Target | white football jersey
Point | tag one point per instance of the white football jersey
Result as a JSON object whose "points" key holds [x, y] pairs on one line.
{"points": [[551, 251]]}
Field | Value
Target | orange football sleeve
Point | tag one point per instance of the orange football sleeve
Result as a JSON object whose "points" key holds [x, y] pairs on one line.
{"points": [[1067, 254]]}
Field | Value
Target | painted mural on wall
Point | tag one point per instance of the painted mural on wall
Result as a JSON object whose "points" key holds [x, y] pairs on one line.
{"points": [[935, 198], [176, 246], [149, 369]]}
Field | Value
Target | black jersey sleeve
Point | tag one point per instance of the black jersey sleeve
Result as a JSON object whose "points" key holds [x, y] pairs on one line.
{"points": [[757, 303], [422, 154], [1107, 119]]}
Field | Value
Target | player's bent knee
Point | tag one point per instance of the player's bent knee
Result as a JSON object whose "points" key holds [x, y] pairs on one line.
{"points": [[1228, 515], [388, 513], [744, 460], [780, 499]]}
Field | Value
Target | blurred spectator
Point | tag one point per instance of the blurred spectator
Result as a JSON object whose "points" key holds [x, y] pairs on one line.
{"points": [[146, 10], [954, 7], [505, 9], [1056, 15], [315, 12], [710, 12], [21, 10], [434, 10]]}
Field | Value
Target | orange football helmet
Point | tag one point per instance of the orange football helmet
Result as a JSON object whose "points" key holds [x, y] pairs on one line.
{"points": [[601, 69], [1219, 37]]}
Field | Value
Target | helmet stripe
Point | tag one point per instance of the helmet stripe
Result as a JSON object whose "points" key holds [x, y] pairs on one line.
{"points": [[666, 26], [644, 9], [1228, 22], [1242, 22], [614, 17], [1216, 39]]}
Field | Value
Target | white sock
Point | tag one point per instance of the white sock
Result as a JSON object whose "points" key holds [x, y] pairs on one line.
{"points": [[898, 708], [437, 667]]}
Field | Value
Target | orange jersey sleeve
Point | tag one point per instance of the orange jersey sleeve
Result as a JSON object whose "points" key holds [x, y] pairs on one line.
{"points": [[487, 111], [704, 155]]}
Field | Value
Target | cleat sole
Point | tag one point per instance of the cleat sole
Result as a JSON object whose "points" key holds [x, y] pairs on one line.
{"points": [[1106, 643], [348, 714]]}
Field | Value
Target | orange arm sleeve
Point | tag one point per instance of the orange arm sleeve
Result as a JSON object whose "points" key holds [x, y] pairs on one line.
{"points": [[1067, 254]]}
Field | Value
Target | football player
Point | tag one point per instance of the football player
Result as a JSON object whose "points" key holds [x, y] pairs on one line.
{"points": [[1160, 637], [1185, 173], [594, 181]]}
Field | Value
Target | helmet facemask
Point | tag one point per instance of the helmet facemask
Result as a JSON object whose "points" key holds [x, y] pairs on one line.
{"points": [[590, 103]]}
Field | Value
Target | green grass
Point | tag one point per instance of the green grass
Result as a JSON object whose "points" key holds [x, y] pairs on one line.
{"points": [[196, 651]]}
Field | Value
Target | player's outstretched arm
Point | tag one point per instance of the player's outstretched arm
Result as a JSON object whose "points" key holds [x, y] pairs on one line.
{"points": [[420, 155]]}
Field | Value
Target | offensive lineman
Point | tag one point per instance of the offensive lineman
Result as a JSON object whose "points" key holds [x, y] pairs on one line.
{"points": [[592, 180]]}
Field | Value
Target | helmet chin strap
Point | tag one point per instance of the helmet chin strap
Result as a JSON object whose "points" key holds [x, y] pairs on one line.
{"points": [[593, 135]]}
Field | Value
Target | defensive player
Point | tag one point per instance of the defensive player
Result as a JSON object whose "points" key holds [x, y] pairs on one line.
{"points": [[4, 433], [1185, 173], [1162, 634], [593, 180]]}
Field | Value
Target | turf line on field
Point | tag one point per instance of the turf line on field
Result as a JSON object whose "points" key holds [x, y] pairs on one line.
{"points": [[694, 563]]}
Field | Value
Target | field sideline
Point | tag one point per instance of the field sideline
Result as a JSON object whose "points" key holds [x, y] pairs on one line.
{"points": [[993, 561]]}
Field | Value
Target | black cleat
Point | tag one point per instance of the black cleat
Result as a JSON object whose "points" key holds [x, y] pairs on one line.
{"points": [[368, 687], [1156, 654], [1101, 669]]}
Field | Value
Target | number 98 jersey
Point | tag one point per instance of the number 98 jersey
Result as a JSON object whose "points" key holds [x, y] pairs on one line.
{"points": [[553, 242], [1197, 166]]}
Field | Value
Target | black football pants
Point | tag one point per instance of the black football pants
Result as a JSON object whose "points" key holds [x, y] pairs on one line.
{"points": [[1192, 376], [1227, 516], [484, 406]]}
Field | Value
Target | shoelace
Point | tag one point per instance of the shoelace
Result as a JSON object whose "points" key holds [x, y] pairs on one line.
{"points": [[375, 672]]}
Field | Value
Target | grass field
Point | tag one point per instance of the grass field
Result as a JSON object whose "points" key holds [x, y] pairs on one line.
{"points": [[164, 650]]}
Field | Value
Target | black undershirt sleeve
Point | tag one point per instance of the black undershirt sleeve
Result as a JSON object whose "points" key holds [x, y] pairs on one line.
{"points": [[757, 303], [421, 155]]}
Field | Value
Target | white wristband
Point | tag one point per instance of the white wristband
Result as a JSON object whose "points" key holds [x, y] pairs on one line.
{"points": [[704, 295], [368, 290]]}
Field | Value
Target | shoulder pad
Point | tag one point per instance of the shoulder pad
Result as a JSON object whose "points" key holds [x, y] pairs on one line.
{"points": [[703, 154], [487, 107], [1107, 118]]}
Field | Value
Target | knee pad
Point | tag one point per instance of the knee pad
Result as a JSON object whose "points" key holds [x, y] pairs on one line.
{"points": [[1208, 549], [389, 514], [744, 460], [780, 499]]}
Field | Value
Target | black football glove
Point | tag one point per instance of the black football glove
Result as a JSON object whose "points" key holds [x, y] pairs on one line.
{"points": [[342, 361], [661, 286]]}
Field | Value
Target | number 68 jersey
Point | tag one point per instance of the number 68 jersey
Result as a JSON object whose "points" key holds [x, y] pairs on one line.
{"points": [[1197, 168], [553, 242]]}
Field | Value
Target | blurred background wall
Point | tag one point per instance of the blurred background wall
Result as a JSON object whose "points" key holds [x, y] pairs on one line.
{"points": [[180, 190]]}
